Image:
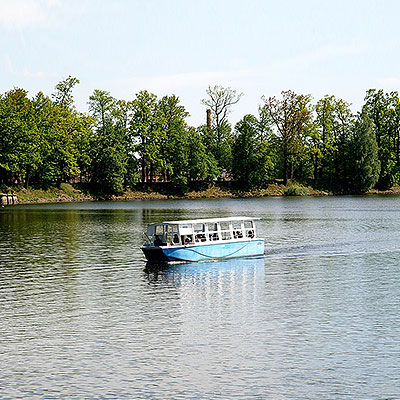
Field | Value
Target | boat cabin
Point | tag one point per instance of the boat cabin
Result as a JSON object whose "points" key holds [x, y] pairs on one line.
{"points": [[200, 231]]}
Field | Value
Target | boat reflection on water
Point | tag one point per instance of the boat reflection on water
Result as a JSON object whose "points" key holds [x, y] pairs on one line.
{"points": [[198, 271], [209, 291]]}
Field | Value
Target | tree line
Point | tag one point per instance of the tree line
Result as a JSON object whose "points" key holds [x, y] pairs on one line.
{"points": [[45, 141]]}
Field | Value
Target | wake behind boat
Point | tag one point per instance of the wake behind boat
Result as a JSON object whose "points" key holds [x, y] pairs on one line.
{"points": [[202, 239]]}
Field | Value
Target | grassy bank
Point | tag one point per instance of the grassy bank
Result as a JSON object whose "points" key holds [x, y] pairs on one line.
{"points": [[69, 193], [393, 190], [66, 193]]}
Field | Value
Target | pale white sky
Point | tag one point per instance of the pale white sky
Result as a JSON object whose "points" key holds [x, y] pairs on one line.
{"points": [[258, 47]]}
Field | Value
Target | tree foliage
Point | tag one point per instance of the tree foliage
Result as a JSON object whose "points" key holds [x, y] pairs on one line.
{"points": [[252, 155], [290, 117], [110, 158], [384, 111], [328, 138], [45, 141], [365, 164], [63, 95]]}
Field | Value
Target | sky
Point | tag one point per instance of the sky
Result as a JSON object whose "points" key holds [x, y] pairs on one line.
{"points": [[257, 47]]}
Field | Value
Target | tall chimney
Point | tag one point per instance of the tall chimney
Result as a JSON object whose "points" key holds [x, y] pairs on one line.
{"points": [[209, 119]]}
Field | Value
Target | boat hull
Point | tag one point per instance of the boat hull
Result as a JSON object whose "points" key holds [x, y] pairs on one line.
{"points": [[202, 252]]}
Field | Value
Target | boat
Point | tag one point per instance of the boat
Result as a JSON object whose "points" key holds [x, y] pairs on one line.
{"points": [[202, 239]]}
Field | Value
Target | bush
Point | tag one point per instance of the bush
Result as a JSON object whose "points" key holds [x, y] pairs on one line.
{"points": [[296, 190], [68, 189]]}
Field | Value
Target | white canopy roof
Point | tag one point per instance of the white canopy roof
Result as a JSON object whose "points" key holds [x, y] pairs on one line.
{"points": [[206, 220]]}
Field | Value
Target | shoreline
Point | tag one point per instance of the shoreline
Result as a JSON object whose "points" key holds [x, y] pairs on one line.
{"points": [[69, 194]]}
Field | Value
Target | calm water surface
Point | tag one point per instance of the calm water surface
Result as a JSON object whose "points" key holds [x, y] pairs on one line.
{"points": [[318, 317]]}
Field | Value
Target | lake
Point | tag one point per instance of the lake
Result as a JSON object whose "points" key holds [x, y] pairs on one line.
{"points": [[318, 317]]}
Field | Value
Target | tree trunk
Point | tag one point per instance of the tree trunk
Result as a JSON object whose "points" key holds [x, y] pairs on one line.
{"points": [[285, 168], [143, 169], [315, 170], [300, 170], [27, 177], [151, 173], [2, 175]]}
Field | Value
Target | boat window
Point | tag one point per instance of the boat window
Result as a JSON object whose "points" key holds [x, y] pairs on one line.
{"points": [[158, 240], [213, 236], [172, 228], [159, 229], [186, 229], [250, 233], [175, 239], [200, 237], [226, 235], [149, 239], [249, 229], [199, 228], [225, 231], [212, 227], [238, 233], [187, 239], [236, 225], [224, 226], [213, 231]]}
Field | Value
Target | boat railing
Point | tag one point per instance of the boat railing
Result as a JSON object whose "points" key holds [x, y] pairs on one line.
{"points": [[212, 232]]}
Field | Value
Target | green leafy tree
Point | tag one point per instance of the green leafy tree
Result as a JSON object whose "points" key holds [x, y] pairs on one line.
{"points": [[365, 164], [322, 137], [252, 161], [381, 107], [59, 153], [109, 164], [68, 134], [63, 95], [19, 138], [64, 135], [343, 123], [109, 159], [290, 116], [145, 130], [122, 113], [202, 164], [102, 106], [84, 142], [394, 133], [173, 144], [328, 137]]}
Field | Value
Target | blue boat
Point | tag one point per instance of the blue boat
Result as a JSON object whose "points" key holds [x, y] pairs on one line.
{"points": [[202, 239]]}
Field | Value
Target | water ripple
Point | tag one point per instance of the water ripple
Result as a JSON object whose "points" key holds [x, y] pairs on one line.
{"points": [[317, 317]]}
